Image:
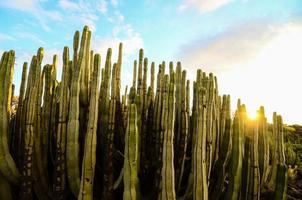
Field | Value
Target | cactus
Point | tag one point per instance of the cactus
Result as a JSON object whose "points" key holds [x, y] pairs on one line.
{"points": [[254, 179], [60, 143], [220, 166], [109, 148], [183, 133], [131, 150], [263, 147], [31, 126], [281, 175], [200, 187], [89, 160], [167, 172], [73, 127], [18, 131], [234, 185], [8, 167], [72, 139]]}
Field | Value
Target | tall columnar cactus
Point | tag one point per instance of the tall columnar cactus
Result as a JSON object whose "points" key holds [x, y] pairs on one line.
{"points": [[281, 174], [60, 143], [183, 133], [108, 179], [235, 175], [85, 73], [254, 178], [263, 147], [31, 125], [131, 151], [39, 172], [73, 127], [8, 167], [218, 175], [18, 131], [200, 186], [140, 72], [275, 153], [209, 84], [89, 160], [118, 71], [167, 171]]}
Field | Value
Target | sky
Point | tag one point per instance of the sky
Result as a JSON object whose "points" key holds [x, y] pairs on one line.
{"points": [[253, 46]]}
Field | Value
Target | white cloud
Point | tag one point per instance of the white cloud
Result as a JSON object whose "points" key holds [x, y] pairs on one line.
{"points": [[114, 2], [102, 6], [68, 5], [203, 5], [5, 37], [81, 12], [259, 63], [131, 44], [234, 46], [35, 8], [30, 36]]}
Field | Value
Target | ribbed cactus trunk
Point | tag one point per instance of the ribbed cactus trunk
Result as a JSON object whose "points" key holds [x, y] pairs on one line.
{"points": [[275, 153], [235, 174], [131, 151], [263, 147], [254, 178], [8, 167], [73, 127], [219, 174], [281, 175], [31, 126], [167, 171], [209, 123], [199, 165], [17, 140], [60, 174], [89, 159]]}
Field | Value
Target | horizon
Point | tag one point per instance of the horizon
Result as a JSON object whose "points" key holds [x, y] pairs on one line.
{"points": [[252, 47]]}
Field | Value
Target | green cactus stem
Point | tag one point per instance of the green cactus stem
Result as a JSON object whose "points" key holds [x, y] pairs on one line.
{"points": [[73, 127], [8, 167], [167, 172], [89, 160], [131, 151]]}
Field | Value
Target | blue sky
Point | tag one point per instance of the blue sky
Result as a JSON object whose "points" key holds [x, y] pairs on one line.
{"points": [[251, 45]]}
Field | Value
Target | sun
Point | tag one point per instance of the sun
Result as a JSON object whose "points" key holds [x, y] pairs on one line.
{"points": [[252, 115]]}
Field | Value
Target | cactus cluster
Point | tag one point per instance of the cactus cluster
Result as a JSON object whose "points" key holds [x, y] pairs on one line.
{"points": [[79, 138]]}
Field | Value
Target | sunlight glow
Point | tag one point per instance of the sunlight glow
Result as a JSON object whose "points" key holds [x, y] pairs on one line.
{"points": [[252, 115], [271, 78]]}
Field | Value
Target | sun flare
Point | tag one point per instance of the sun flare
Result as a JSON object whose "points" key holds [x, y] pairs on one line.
{"points": [[252, 115]]}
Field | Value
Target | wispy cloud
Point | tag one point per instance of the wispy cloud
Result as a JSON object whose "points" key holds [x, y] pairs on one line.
{"points": [[132, 42], [234, 46], [258, 62], [114, 2], [103, 6], [35, 8], [5, 37], [29, 36], [203, 5], [83, 12]]}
